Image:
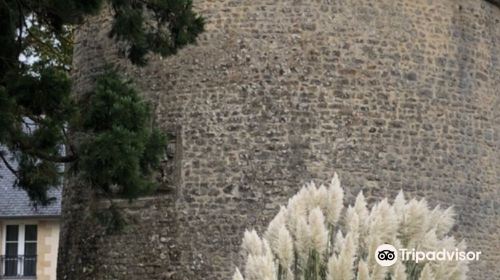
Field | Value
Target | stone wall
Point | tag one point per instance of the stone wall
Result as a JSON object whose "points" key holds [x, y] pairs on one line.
{"points": [[391, 94], [48, 240]]}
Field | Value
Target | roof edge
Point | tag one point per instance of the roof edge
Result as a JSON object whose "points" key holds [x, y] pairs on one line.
{"points": [[32, 217]]}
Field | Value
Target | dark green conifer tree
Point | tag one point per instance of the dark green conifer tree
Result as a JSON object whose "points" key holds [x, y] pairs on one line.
{"points": [[117, 146]]}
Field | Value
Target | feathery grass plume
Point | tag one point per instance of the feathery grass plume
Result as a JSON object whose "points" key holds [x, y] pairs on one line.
{"points": [[361, 209], [363, 273], [460, 272], [273, 230], [237, 275], [399, 205], [310, 196], [451, 270], [319, 233], [426, 273], [332, 267], [296, 208], [362, 212], [383, 221], [339, 242], [352, 225], [252, 244], [346, 259], [253, 267], [442, 219], [284, 248], [261, 267], [429, 242], [377, 272], [399, 271], [351, 219], [336, 201], [305, 240], [415, 222], [268, 268], [322, 199]]}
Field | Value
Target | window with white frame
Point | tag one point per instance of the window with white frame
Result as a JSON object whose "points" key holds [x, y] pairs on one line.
{"points": [[20, 249]]}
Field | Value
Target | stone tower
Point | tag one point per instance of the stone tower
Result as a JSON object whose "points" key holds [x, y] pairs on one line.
{"points": [[391, 94]]}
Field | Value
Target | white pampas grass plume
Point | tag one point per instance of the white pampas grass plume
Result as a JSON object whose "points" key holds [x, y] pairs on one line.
{"points": [[341, 267], [284, 248], [351, 219], [383, 221], [252, 267], [415, 222], [335, 201], [299, 239], [296, 208], [352, 224], [310, 196], [442, 220], [448, 270], [426, 273], [372, 242], [258, 268], [361, 209], [273, 230], [461, 267], [339, 242], [429, 242], [346, 260], [363, 273], [302, 239], [237, 275], [319, 233], [332, 268], [399, 271], [399, 205], [252, 244], [261, 267], [322, 200], [460, 272], [269, 269], [335, 183], [378, 272]]}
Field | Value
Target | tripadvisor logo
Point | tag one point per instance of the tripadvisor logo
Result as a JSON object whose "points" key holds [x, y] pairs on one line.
{"points": [[387, 255]]}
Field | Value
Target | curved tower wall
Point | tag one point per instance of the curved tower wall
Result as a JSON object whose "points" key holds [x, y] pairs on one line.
{"points": [[391, 94]]}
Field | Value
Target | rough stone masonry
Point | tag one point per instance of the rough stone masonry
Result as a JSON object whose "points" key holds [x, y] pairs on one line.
{"points": [[391, 94]]}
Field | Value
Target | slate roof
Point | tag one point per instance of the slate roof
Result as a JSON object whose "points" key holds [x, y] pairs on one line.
{"points": [[14, 202]]}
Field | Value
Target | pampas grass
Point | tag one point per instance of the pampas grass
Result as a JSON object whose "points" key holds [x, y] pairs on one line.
{"points": [[237, 275], [314, 237]]}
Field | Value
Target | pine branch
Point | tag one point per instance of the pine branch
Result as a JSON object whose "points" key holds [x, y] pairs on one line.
{"points": [[27, 148], [68, 141], [46, 46], [44, 156], [22, 23], [7, 164]]}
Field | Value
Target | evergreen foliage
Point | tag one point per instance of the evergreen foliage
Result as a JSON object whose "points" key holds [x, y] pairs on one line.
{"points": [[119, 148], [112, 144]]}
